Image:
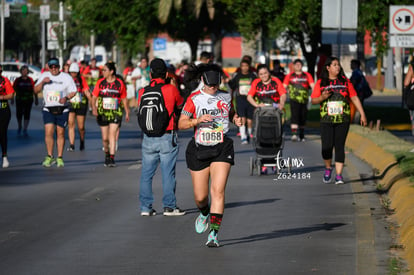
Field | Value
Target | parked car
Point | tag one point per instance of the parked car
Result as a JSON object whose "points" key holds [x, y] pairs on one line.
{"points": [[79, 53], [11, 70]]}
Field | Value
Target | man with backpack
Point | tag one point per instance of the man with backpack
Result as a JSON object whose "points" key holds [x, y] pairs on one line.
{"points": [[157, 106]]}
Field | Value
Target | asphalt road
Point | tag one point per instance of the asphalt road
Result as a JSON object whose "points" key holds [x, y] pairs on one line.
{"points": [[84, 218]]}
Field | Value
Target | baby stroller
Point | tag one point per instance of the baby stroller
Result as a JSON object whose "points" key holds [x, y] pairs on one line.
{"points": [[268, 139]]}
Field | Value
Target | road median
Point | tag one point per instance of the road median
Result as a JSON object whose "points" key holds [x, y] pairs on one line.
{"points": [[385, 152]]}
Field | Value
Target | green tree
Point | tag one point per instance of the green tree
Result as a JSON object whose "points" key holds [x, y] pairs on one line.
{"points": [[194, 20], [373, 16], [298, 21], [21, 37], [127, 23]]}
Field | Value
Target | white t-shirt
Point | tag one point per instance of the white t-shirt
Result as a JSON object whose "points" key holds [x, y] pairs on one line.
{"points": [[218, 106], [143, 81], [60, 86]]}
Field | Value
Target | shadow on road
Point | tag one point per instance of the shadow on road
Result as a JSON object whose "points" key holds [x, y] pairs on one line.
{"points": [[282, 233], [236, 204]]}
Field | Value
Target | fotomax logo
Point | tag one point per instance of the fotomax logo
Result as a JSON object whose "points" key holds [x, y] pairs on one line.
{"points": [[282, 163]]}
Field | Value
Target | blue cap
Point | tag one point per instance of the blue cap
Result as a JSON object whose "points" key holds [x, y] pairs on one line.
{"points": [[53, 61]]}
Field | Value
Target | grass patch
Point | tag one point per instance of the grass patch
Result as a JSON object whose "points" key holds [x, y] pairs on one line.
{"points": [[396, 266], [392, 144]]}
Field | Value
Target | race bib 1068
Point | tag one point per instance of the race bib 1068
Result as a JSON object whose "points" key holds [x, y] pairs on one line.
{"points": [[210, 136], [110, 103], [53, 97], [335, 108]]}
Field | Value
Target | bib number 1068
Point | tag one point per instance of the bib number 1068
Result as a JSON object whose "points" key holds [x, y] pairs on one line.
{"points": [[211, 136]]}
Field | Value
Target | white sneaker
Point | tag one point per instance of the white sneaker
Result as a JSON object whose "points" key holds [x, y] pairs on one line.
{"points": [[5, 162], [294, 138]]}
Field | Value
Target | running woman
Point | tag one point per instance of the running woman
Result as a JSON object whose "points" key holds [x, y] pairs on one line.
{"points": [[298, 83], [333, 91], [108, 103], [24, 88], [92, 74], [240, 84], [78, 108], [6, 93], [58, 88], [210, 153]]}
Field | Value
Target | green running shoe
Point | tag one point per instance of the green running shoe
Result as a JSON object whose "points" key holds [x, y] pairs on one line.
{"points": [[212, 240], [201, 223], [59, 162], [49, 161]]}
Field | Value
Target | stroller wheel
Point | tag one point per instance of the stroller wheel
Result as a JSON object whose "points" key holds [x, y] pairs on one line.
{"points": [[259, 167], [251, 166]]}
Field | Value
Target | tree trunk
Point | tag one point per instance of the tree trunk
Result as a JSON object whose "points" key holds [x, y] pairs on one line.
{"points": [[249, 48], [217, 39], [310, 56], [193, 46]]}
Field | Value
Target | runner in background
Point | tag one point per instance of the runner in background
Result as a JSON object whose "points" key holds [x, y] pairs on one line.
{"points": [[249, 60], [6, 93], [298, 83], [266, 90], [333, 91], [78, 108], [24, 88], [58, 88], [127, 76], [91, 73], [108, 103], [66, 66], [82, 67], [278, 71], [140, 76], [409, 92], [240, 85]]}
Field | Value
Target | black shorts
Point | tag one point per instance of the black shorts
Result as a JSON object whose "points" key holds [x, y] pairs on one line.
{"points": [[244, 108], [81, 111], [298, 113], [103, 120], [226, 155]]}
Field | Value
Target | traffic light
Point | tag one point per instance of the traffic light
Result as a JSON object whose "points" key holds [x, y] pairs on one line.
{"points": [[24, 10]]}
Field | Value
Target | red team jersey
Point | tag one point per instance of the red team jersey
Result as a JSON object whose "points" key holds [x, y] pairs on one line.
{"points": [[272, 90], [5, 86]]}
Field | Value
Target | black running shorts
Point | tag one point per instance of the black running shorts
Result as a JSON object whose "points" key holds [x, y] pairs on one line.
{"points": [[81, 111], [226, 155]]}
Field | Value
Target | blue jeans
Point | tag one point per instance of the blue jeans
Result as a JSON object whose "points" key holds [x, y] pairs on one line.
{"points": [[155, 150]]}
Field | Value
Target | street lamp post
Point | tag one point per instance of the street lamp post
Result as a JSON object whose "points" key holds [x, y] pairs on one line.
{"points": [[2, 31]]}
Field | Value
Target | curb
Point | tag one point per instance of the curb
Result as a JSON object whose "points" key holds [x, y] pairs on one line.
{"points": [[392, 180]]}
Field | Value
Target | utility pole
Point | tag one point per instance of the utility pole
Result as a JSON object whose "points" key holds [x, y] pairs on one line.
{"points": [[92, 47], [61, 34], [2, 31]]}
